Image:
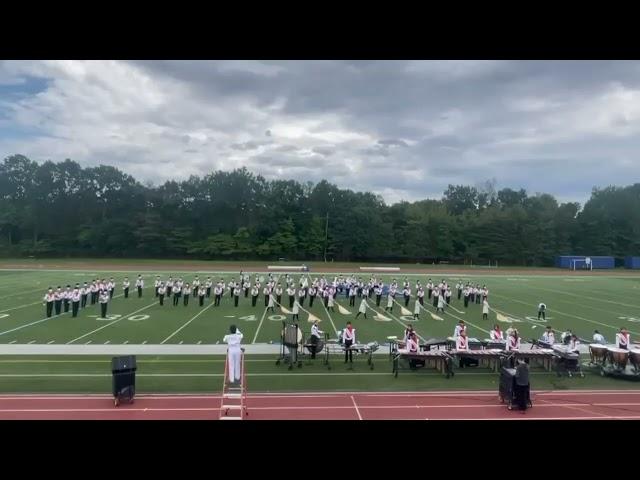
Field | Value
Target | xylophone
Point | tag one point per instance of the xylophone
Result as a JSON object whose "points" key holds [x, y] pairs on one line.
{"points": [[439, 359], [490, 357], [543, 356], [333, 348], [474, 343]]}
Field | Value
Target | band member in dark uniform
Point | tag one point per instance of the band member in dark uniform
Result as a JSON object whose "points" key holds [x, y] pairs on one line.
{"points": [[125, 286], [161, 291], [104, 300], [202, 292], [58, 300], [236, 294], [139, 285], [75, 302], [186, 293]]}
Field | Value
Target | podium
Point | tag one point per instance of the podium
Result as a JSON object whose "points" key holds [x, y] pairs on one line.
{"points": [[124, 378]]}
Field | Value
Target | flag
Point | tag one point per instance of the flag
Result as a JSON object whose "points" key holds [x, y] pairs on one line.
{"points": [[285, 311], [381, 318], [404, 311], [436, 317], [502, 318], [343, 310], [312, 318]]}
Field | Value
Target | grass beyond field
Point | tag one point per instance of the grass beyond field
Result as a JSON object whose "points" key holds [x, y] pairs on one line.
{"points": [[579, 302]]}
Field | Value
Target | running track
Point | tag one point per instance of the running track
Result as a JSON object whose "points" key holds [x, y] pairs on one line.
{"points": [[480, 405]]}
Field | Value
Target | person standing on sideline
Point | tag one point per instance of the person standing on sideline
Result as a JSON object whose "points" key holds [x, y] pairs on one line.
{"points": [[49, 298], [161, 291], [234, 340], [485, 309], [363, 307], [104, 300], [542, 308], [125, 287], [186, 293], [139, 285], [348, 339], [75, 301], [236, 294]]}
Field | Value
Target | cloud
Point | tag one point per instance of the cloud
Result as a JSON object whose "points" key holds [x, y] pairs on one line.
{"points": [[402, 129]]}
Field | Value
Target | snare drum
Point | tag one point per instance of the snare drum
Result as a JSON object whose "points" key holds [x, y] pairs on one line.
{"points": [[598, 353], [619, 357]]}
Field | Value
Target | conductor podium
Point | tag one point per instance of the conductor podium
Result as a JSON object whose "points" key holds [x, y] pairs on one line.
{"points": [[124, 378]]}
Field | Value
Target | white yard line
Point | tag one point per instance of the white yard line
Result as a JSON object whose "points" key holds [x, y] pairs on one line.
{"points": [[110, 323], [187, 323], [586, 297], [32, 323], [31, 342], [25, 292], [20, 306], [260, 325], [52, 341], [384, 313]]}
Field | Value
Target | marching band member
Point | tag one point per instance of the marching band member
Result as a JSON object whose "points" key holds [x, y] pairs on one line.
{"points": [[466, 292], [236, 294], [363, 307], [246, 286], [291, 291], [416, 309], [436, 295], [315, 336], [208, 284], [348, 339], [389, 307], [161, 291], [279, 290], [623, 339], [542, 308], [202, 292], [412, 346], [447, 295], [408, 332], [195, 285], [459, 289], [111, 286], [139, 285], [485, 309], [406, 293], [49, 298], [186, 292], [598, 338], [478, 291], [58, 300], [441, 302], [352, 296], [271, 302], [266, 291], [378, 292], [94, 292], [301, 294], [312, 295], [75, 301], [295, 311], [125, 287], [548, 336], [84, 293], [513, 342], [573, 344], [177, 293], [460, 327], [217, 294], [430, 288], [169, 286], [566, 336], [254, 295], [104, 300], [496, 333], [420, 294], [66, 297], [234, 340], [330, 299], [232, 286], [156, 285], [462, 342]]}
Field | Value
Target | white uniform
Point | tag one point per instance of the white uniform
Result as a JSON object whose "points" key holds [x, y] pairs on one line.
{"points": [[363, 306], [462, 343], [389, 301], [485, 307], [416, 308], [496, 334], [513, 343], [623, 340], [234, 340]]}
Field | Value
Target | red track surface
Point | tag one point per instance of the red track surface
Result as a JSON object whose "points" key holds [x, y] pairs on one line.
{"points": [[592, 404]]}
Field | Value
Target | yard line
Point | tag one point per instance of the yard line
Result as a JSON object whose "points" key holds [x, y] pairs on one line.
{"points": [[260, 325], [192, 319], [199, 342], [562, 292], [22, 292], [376, 309], [564, 314], [13, 341], [42, 320], [125, 342], [110, 323], [32, 341], [52, 341], [88, 342], [20, 306], [106, 343], [325, 308], [144, 342]]}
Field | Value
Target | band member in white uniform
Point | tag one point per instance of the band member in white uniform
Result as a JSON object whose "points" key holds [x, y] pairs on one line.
{"points": [[202, 292], [363, 308], [389, 307], [623, 339], [416, 309], [462, 342], [496, 333], [271, 302], [161, 291], [295, 311], [542, 309], [139, 285], [485, 310], [348, 339], [548, 336], [75, 301], [234, 340], [49, 298], [125, 287], [315, 336], [104, 300], [513, 342], [460, 327]]}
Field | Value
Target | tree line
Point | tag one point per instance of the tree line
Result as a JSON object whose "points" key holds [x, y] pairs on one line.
{"points": [[62, 209]]}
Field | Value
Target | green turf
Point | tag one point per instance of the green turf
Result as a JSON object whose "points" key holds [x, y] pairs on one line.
{"points": [[581, 303]]}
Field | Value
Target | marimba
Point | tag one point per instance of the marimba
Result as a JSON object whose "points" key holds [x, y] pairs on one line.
{"points": [[438, 359], [543, 356], [491, 358]]}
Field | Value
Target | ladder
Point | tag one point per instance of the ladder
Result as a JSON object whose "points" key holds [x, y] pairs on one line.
{"points": [[233, 405]]}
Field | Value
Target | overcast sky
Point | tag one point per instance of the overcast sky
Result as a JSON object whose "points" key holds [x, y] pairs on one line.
{"points": [[403, 129]]}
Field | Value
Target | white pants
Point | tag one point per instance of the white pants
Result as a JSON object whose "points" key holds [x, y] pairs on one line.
{"points": [[235, 355]]}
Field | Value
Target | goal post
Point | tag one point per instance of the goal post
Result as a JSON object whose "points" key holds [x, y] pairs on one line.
{"points": [[581, 264]]}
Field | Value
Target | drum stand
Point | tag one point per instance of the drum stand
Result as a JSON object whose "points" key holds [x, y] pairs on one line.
{"points": [[292, 357]]}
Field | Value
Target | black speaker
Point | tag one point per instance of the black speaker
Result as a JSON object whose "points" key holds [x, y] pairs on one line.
{"points": [[124, 378]]}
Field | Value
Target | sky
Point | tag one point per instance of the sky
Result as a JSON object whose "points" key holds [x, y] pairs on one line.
{"points": [[401, 129]]}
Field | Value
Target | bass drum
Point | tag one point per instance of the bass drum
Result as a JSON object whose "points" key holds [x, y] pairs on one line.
{"points": [[292, 336]]}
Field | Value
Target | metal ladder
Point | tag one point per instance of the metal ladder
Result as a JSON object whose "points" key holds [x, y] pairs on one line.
{"points": [[234, 397]]}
